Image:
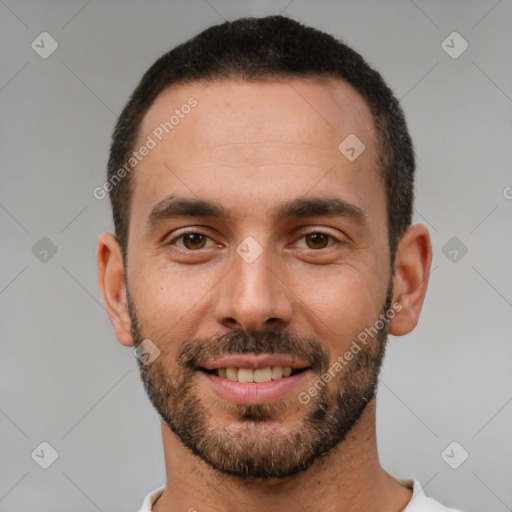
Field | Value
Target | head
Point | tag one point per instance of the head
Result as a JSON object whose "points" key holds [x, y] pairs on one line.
{"points": [[266, 225], [262, 50]]}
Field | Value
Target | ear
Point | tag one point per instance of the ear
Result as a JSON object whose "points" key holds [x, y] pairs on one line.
{"points": [[112, 285], [412, 270]]}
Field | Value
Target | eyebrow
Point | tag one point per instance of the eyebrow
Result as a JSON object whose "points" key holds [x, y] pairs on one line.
{"points": [[301, 207]]}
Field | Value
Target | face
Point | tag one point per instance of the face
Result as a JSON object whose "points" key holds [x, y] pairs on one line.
{"points": [[257, 255]]}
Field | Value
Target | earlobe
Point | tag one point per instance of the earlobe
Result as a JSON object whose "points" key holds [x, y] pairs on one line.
{"points": [[410, 282], [112, 285]]}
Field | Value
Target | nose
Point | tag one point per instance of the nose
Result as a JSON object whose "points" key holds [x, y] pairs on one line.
{"points": [[253, 296]]}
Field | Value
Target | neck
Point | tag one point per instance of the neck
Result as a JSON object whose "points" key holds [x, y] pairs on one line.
{"points": [[347, 478]]}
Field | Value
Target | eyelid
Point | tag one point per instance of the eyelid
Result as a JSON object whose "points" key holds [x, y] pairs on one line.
{"points": [[321, 231], [199, 231], [188, 231]]}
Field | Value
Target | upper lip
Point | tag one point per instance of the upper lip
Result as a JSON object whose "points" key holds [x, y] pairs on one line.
{"points": [[254, 361]]}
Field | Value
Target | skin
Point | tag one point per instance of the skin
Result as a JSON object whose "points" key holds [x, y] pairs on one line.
{"points": [[250, 147]]}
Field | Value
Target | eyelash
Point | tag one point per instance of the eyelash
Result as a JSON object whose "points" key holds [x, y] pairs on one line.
{"points": [[195, 232]]}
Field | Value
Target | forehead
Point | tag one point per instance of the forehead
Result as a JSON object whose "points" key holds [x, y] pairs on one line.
{"points": [[301, 112], [265, 139]]}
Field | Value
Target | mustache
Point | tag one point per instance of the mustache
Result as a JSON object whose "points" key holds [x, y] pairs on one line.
{"points": [[196, 351]]}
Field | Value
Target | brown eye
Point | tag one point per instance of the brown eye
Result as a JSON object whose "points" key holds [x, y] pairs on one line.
{"points": [[317, 240], [194, 241]]}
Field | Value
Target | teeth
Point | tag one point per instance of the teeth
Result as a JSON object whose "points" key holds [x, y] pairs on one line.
{"points": [[245, 375], [232, 374], [259, 375], [277, 372]]}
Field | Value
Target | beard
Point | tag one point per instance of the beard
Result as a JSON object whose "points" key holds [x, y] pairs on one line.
{"points": [[257, 445]]}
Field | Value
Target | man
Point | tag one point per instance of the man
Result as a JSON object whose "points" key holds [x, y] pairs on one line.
{"points": [[261, 178]]}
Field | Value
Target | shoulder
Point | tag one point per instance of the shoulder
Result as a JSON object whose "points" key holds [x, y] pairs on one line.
{"points": [[421, 503], [147, 504]]}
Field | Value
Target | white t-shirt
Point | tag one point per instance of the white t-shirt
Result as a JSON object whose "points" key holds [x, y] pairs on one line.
{"points": [[419, 502]]}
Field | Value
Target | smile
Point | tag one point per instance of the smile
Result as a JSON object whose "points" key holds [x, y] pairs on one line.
{"points": [[254, 378], [259, 375]]}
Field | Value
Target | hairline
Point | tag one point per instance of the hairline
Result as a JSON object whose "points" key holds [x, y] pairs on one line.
{"points": [[271, 77]]}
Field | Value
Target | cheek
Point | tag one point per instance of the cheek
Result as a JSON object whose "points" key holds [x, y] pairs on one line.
{"points": [[169, 300], [341, 306]]}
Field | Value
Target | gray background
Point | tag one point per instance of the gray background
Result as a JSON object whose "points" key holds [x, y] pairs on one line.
{"points": [[65, 379]]}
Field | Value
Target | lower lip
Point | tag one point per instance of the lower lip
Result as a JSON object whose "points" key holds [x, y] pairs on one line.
{"points": [[256, 392]]}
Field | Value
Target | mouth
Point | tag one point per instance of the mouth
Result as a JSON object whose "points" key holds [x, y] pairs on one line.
{"points": [[259, 375], [254, 378]]}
